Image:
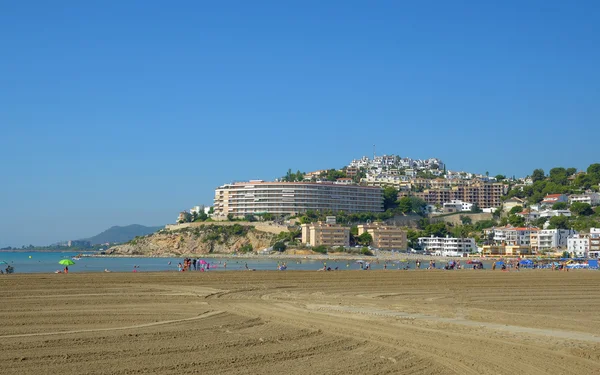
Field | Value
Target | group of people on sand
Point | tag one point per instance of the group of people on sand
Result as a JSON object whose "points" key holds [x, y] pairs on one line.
{"points": [[430, 267], [190, 264], [9, 269]]}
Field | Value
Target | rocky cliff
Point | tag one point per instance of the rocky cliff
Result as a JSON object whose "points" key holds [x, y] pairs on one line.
{"points": [[205, 239]]}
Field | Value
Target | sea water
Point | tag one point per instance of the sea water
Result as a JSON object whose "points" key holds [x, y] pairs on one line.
{"points": [[47, 262]]}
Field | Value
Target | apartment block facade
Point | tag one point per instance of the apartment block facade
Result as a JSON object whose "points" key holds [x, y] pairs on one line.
{"points": [[323, 234], [385, 237], [292, 198], [594, 251], [485, 195], [550, 239], [448, 246], [578, 245]]}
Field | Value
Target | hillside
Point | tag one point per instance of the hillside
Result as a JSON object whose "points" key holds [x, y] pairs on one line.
{"points": [[197, 240], [118, 234]]}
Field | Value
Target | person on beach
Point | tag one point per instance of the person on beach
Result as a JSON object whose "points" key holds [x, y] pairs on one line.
{"points": [[225, 265], [194, 264], [180, 267], [494, 266], [66, 270]]}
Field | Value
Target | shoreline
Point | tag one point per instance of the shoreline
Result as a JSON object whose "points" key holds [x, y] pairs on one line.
{"points": [[379, 257]]}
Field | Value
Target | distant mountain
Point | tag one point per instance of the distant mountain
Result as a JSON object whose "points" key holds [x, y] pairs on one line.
{"points": [[119, 234]]}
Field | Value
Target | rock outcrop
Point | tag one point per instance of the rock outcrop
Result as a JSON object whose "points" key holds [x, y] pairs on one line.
{"points": [[206, 239]]}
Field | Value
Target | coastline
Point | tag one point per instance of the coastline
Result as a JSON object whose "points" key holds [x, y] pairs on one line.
{"points": [[335, 256]]}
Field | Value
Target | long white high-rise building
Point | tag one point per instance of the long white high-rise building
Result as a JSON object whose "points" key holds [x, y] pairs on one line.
{"points": [[292, 198]]}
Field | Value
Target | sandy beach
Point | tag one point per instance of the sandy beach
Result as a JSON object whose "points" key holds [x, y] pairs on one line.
{"points": [[352, 322]]}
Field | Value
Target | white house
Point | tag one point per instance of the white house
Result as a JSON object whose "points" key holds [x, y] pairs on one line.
{"points": [[448, 246], [529, 215], [593, 199], [550, 213], [578, 245], [456, 205], [514, 236], [512, 202], [548, 239], [550, 199]]}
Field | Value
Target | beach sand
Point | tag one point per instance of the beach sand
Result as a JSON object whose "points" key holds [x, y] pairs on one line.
{"points": [[350, 322]]}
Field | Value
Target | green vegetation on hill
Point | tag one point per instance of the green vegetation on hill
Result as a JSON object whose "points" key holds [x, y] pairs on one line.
{"points": [[558, 181]]}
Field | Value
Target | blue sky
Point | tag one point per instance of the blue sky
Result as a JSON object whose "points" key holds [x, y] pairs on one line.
{"points": [[121, 112]]}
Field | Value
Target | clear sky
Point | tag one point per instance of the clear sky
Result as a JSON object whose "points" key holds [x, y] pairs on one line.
{"points": [[122, 112]]}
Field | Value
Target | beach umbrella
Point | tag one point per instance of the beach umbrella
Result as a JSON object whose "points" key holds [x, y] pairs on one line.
{"points": [[3, 262], [66, 262]]}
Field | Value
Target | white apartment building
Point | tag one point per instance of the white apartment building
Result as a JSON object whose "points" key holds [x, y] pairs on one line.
{"points": [[594, 251], [448, 246], [593, 199], [457, 205], [513, 236], [292, 198], [578, 245], [551, 213], [551, 239]]}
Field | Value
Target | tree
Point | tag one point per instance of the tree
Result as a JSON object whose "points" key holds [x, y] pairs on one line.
{"points": [[465, 220], [211, 210], [538, 175], [559, 206], [571, 171], [516, 221], [515, 210], [559, 222], [540, 222], [279, 246], [594, 172], [390, 197], [436, 230], [249, 217], [500, 177], [230, 217], [413, 238], [365, 239], [417, 205], [201, 216], [581, 209], [404, 205], [559, 176], [186, 217], [475, 209]]}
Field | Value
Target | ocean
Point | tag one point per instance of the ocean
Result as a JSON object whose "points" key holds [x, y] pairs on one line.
{"points": [[47, 262]]}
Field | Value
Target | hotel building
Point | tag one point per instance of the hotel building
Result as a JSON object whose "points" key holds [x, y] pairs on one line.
{"points": [[448, 246], [484, 194], [330, 235], [385, 237], [292, 198]]}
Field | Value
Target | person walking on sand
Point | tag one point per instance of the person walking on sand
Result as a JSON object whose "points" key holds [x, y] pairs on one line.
{"points": [[494, 266], [180, 267]]}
